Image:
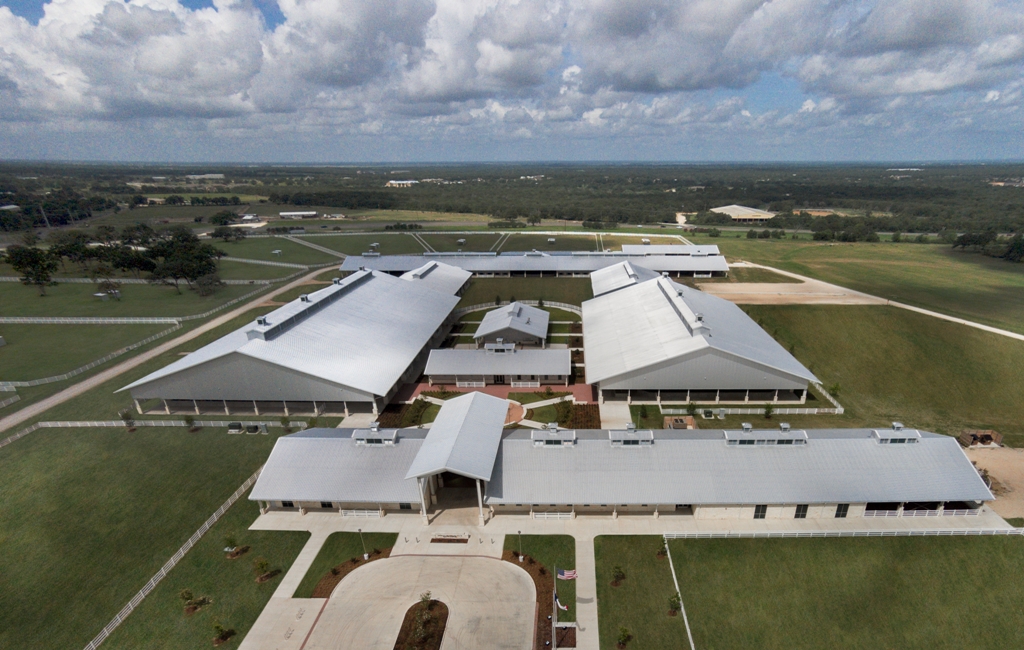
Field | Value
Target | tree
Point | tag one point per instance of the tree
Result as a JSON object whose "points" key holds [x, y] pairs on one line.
{"points": [[127, 418], [1015, 249], [179, 255], [190, 422], [36, 266], [223, 218], [624, 637], [768, 410], [285, 424], [751, 234], [691, 409], [207, 284], [186, 595], [70, 244], [228, 233], [897, 237], [674, 604], [834, 389], [106, 235], [260, 566], [618, 575], [138, 234], [30, 238], [103, 276]]}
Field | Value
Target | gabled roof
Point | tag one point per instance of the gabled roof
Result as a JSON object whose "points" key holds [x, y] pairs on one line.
{"points": [[516, 316], [463, 439], [671, 249], [658, 320], [488, 362], [743, 212], [617, 276], [546, 262], [440, 277], [362, 332]]}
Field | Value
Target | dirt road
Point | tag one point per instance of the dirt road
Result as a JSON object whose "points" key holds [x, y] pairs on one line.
{"points": [[1006, 466], [33, 410]]}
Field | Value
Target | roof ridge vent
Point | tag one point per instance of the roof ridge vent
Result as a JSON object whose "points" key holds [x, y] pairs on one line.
{"points": [[748, 427], [266, 331], [897, 426]]}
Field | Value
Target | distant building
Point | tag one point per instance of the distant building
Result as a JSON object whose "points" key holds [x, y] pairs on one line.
{"points": [[10, 207], [514, 323], [743, 214], [155, 201], [205, 177], [499, 363], [298, 215], [401, 183]]}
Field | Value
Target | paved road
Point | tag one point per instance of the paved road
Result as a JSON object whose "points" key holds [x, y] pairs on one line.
{"points": [[34, 410]]}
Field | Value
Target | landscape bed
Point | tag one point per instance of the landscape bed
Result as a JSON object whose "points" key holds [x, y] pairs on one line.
{"points": [[342, 552]]}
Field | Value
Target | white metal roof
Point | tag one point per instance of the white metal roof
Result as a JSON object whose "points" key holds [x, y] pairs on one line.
{"points": [[671, 249], [328, 465], [487, 362], [516, 316], [440, 277], [362, 333], [743, 212], [464, 438], [835, 466], [553, 262], [658, 320], [617, 276]]}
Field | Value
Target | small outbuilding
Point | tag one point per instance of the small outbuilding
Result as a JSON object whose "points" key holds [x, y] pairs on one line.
{"points": [[499, 363], [514, 323]]}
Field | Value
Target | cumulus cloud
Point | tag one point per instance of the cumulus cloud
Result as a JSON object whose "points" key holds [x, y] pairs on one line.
{"points": [[515, 69]]}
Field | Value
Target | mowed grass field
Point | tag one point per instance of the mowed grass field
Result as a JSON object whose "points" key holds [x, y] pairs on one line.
{"points": [[484, 290], [932, 276], [476, 243], [390, 243], [66, 300], [89, 515], [160, 621], [569, 242], [36, 351], [892, 364], [640, 602], [551, 551], [904, 592], [260, 248], [339, 548]]}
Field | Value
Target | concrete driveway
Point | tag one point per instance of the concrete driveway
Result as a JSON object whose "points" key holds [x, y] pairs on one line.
{"points": [[491, 603]]}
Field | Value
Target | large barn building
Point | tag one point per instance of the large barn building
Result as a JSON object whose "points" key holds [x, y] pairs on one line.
{"points": [[652, 340], [347, 347], [704, 474]]}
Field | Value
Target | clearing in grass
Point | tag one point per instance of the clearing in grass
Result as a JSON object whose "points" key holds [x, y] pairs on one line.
{"points": [[903, 592]]}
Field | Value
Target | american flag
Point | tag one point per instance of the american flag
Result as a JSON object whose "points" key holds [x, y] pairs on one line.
{"points": [[567, 574]]}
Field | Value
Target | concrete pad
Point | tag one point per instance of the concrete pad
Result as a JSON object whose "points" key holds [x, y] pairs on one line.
{"points": [[358, 421], [615, 415], [284, 624], [491, 603]]}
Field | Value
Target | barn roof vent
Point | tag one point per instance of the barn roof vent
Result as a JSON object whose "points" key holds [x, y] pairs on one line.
{"points": [[897, 426], [748, 427], [784, 426], [304, 297], [336, 280]]}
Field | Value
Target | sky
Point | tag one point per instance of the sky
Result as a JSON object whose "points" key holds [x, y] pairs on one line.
{"points": [[325, 81]]}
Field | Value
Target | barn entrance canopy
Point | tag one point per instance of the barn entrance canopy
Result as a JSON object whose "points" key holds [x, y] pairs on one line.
{"points": [[463, 440]]}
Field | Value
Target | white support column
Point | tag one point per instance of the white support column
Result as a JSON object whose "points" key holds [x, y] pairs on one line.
{"points": [[138, 407], [255, 407], [629, 396], [423, 501], [803, 398], [718, 395], [600, 396], [226, 411], [433, 490], [285, 403], [659, 398], [776, 400], [687, 395], [746, 397], [195, 405], [480, 501], [167, 408], [375, 406]]}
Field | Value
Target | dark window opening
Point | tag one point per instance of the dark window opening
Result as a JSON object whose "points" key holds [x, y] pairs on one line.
{"points": [[841, 510], [326, 504], [882, 506], [287, 504], [405, 506], [801, 512], [760, 512]]}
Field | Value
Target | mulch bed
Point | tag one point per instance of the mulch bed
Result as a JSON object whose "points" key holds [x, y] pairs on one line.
{"points": [[325, 587], [449, 540], [269, 575], [224, 638], [586, 416], [565, 637], [238, 552], [545, 585], [433, 626]]}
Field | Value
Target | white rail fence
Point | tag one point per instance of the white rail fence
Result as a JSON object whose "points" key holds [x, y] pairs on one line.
{"points": [[14, 278], [90, 366], [170, 564], [9, 401]]}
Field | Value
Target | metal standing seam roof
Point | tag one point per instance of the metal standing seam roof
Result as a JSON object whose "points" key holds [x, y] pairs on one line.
{"points": [[838, 466], [569, 262], [517, 316], [485, 362], [364, 338], [658, 320], [328, 465], [464, 438], [440, 277], [671, 249], [617, 276]]}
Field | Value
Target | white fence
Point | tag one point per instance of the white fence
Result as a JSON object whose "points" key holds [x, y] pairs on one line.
{"points": [[470, 384], [526, 384], [13, 278], [957, 532], [552, 515], [361, 513], [9, 401], [755, 411], [90, 366], [170, 564], [881, 513]]}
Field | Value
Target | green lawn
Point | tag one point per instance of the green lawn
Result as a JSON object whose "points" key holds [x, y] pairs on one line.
{"points": [[543, 414], [136, 300], [551, 551], [450, 242], [390, 243], [155, 215], [230, 270], [967, 285], [740, 274], [339, 548], [569, 290], [615, 242], [91, 514], [37, 351], [892, 364], [906, 592], [259, 248], [527, 242], [160, 621], [640, 603]]}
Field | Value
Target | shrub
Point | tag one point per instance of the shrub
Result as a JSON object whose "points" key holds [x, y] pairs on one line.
{"points": [[624, 636], [185, 595], [834, 389], [230, 541], [768, 410], [260, 566], [127, 417], [618, 575], [285, 424], [190, 422], [673, 603], [691, 409], [312, 422]]}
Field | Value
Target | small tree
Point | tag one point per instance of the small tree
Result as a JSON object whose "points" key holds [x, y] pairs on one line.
{"points": [[127, 418], [834, 389], [768, 410], [36, 266], [618, 575], [497, 300], [897, 237], [673, 604], [230, 541], [425, 598], [643, 411], [691, 409], [540, 303], [186, 595], [285, 424], [313, 422], [260, 566], [624, 637]]}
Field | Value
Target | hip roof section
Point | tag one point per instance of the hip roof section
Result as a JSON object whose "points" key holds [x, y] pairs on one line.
{"points": [[450, 362], [463, 439], [515, 316]]}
